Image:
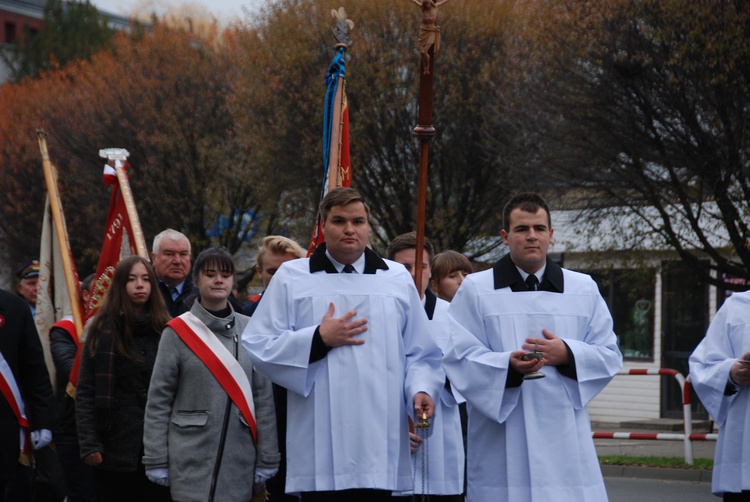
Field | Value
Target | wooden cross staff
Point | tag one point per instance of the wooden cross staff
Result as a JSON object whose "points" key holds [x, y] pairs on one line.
{"points": [[429, 44]]}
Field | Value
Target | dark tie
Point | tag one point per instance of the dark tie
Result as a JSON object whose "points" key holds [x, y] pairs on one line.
{"points": [[174, 293], [348, 269], [532, 282]]}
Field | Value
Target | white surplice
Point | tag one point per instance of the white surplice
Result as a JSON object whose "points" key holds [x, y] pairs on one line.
{"points": [[443, 473], [727, 339], [532, 442], [347, 412]]}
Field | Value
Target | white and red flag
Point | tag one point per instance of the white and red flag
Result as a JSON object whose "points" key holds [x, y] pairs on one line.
{"points": [[58, 293], [53, 299], [118, 241]]}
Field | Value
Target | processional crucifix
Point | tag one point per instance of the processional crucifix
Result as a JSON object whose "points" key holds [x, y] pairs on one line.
{"points": [[429, 44]]}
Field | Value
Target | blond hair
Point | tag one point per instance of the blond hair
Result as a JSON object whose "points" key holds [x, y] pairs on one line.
{"points": [[278, 244]]}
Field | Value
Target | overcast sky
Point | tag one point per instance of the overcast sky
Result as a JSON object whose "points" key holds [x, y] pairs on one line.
{"points": [[222, 9]]}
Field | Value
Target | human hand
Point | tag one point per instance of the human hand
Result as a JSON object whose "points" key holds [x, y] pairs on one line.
{"points": [[41, 438], [424, 406], [740, 372], [158, 475], [93, 458], [336, 332], [521, 365], [263, 474], [414, 441], [553, 348]]}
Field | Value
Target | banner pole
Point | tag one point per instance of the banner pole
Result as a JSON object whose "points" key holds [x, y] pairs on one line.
{"points": [[50, 179]]}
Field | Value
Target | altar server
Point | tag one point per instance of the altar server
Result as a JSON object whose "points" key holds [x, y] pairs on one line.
{"points": [[530, 440], [439, 463], [345, 332], [720, 373]]}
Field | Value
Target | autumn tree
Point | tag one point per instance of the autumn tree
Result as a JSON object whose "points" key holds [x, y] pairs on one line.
{"points": [[640, 110], [224, 128], [162, 95], [291, 45], [70, 30]]}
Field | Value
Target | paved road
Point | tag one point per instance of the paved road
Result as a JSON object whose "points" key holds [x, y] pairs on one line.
{"points": [[621, 489]]}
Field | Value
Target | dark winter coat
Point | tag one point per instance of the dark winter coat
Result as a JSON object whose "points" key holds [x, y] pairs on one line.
{"points": [[22, 350], [63, 350], [116, 431]]}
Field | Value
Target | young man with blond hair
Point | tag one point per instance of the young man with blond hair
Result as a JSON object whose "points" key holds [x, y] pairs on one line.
{"points": [[273, 250]]}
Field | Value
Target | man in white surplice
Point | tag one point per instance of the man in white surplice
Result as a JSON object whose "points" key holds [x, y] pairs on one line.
{"points": [[345, 332], [720, 372], [530, 440]]}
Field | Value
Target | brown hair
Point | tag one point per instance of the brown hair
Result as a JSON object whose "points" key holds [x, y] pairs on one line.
{"points": [[117, 310], [213, 257], [341, 197], [529, 202], [447, 262], [408, 241]]}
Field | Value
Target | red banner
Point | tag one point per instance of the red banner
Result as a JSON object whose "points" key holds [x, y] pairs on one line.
{"points": [[118, 243]]}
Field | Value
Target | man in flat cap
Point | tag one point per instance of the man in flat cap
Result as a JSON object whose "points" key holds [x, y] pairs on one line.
{"points": [[28, 282]]}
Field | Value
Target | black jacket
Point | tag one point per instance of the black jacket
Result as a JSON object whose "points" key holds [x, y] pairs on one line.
{"points": [[22, 350], [63, 350], [178, 306], [116, 432]]}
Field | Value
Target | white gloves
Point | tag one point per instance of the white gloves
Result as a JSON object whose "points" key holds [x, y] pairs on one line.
{"points": [[158, 475], [263, 474], [41, 438]]}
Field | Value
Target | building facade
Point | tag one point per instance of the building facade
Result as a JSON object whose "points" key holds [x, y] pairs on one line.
{"points": [[661, 310], [16, 15]]}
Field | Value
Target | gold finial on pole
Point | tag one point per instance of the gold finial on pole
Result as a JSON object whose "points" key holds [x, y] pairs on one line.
{"points": [[116, 158]]}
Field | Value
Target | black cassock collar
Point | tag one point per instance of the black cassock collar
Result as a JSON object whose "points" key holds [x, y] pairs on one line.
{"points": [[506, 275], [430, 301], [319, 261]]}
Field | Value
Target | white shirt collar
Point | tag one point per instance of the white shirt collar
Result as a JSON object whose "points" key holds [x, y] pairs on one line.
{"points": [[178, 288], [359, 265], [539, 273]]}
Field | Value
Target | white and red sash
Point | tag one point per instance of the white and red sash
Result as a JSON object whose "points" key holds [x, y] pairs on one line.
{"points": [[219, 361], [67, 325], [9, 389]]}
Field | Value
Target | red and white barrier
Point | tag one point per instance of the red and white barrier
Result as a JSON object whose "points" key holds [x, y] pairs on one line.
{"points": [[653, 436], [687, 437]]}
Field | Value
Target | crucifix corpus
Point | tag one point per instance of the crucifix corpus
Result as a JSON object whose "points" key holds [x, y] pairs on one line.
{"points": [[429, 44]]}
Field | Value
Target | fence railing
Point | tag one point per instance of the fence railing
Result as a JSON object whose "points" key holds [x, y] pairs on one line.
{"points": [[687, 437]]}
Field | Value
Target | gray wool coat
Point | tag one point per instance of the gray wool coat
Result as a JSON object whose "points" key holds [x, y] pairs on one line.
{"points": [[185, 414]]}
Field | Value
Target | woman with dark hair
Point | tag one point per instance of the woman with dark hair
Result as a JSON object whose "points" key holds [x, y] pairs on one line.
{"points": [[115, 371], [210, 430]]}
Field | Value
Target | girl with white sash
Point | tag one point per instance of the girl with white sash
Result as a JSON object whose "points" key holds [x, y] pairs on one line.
{"points": [[210, 428]]}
